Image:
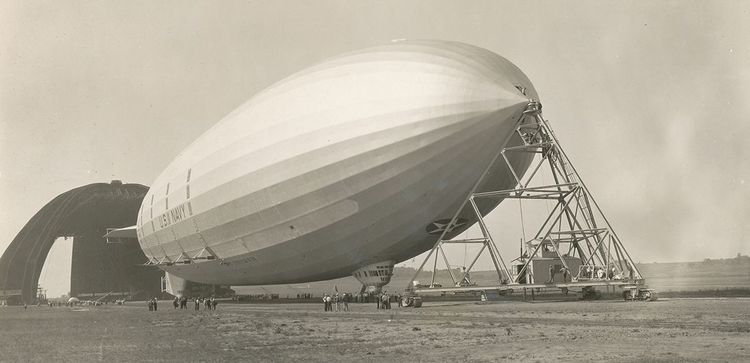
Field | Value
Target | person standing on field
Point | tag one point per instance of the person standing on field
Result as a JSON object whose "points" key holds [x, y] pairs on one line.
{"points": [[551, 274], [326, 302]]}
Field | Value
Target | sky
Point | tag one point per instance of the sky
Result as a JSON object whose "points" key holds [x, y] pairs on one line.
{"points": [[649, 99]]}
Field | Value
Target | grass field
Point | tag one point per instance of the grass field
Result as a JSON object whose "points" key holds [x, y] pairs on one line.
{"points": [[672, 330]]}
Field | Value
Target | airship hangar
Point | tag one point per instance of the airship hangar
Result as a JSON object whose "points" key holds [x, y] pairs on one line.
{"points": [[99, 267], [82, 215]]}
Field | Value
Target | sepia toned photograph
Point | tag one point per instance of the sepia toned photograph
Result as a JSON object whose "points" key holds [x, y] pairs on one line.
{"points": [[374, 181]]}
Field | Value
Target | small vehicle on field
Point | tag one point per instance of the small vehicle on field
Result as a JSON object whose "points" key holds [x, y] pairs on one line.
{"points": [[636, 293]]}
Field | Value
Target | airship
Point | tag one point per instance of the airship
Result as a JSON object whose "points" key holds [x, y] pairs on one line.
{"points": [[343, 168]]}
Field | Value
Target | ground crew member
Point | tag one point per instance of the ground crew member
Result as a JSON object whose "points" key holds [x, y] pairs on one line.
{"points": [[631, 272], [551, 274], [564, 273], [329, 302]]}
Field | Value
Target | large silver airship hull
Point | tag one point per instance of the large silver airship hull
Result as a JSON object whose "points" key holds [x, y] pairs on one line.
{"points": [[353, 161]]}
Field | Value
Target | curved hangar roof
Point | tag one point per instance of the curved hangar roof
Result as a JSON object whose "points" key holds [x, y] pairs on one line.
{"points": [[345, 163], [84, 213]]}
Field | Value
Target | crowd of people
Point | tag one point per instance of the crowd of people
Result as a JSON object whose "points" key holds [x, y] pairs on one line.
{"points": [[340, 302], [153, 304], [384, 300], [331, 302], [208, 303]]}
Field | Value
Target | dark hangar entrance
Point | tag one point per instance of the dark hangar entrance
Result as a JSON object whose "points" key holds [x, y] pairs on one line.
{"points": [[98, 267]]}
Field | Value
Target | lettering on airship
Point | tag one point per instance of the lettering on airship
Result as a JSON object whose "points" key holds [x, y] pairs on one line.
{"points": [[172, 216], [438, 226]]}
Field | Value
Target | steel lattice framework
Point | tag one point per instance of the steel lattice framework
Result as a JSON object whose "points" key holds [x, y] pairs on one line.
{"points": [[575, 228]]}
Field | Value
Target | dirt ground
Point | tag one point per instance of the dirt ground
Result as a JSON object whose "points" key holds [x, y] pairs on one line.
{"points": [[675, 330]]}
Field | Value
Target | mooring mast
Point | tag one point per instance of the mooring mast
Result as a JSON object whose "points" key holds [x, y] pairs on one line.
{"points": [[575, 233]]}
